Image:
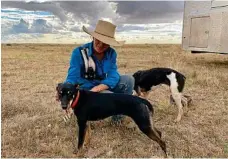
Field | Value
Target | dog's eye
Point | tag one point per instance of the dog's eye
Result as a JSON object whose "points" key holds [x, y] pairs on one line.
{"points": [[60, 93], [69, 92]]}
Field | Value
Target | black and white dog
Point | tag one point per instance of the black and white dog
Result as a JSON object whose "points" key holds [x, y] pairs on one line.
{"points": [[146, 79], [92, 106]]}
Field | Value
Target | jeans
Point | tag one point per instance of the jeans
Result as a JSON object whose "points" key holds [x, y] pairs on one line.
{"points": [[125, 86]]}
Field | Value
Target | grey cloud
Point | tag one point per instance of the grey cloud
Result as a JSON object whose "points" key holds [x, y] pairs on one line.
{"points": [[52, 7], [83, 12], [75, 29], [129, 27], [21, 27], [88, 11], [154, 7], [137, 12], [78, 13], [40, 26]]}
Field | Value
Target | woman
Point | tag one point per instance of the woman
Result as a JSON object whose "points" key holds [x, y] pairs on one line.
{"points": [[105, 76]]}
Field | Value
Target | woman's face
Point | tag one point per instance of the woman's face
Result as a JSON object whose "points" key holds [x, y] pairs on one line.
{"points": [[99, 46]]}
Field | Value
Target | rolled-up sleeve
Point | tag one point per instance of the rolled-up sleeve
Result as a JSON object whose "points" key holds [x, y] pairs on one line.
{"points": [[74, 71], [113, 76]]}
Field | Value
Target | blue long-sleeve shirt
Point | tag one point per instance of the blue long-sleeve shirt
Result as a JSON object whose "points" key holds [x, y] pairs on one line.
{"points": [[106, 65]]}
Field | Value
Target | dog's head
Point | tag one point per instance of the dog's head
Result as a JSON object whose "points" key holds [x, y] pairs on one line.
{"points": [[67, 93], [137, 76], [140, 86]]}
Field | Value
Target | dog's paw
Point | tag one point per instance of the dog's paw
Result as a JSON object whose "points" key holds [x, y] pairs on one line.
{"points": [[67, 117], [75, 151], [78, 153]]}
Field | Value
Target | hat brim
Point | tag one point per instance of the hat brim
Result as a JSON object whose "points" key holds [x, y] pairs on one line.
{"points": [[103, 38]]}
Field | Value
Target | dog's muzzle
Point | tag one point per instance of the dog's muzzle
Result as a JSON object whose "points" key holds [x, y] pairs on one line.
{"points": [[64, 102], [64, 106]]}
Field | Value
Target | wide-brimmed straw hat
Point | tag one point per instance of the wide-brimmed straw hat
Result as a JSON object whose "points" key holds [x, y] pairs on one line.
{"points": [[105, 32]]}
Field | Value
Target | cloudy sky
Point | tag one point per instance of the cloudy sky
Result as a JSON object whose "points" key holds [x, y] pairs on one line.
{"points": [[43, 21]]}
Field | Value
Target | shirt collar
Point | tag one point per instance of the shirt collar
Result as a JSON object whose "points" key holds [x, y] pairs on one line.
{"points": [[90, 45]]}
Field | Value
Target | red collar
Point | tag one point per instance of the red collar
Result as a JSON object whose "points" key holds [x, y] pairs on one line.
{"points": [[75, 102]]}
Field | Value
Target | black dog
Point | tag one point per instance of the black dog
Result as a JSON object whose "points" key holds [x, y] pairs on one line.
{"points": [[92, 106], [146, 79]]}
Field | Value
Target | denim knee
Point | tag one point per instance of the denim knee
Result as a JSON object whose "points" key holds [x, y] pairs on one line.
{"points": [[125, 85]]}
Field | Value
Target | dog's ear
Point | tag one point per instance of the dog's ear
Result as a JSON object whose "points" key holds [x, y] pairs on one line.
{"points": [[139, 72], [136, 73], [136, 76], [58, 87]]}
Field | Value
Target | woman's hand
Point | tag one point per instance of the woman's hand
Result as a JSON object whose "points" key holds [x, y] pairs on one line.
{"points": [[99, 88], [95, 89]]}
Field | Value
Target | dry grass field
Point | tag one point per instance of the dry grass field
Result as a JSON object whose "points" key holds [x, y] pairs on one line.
{"points": [[32, 124]]}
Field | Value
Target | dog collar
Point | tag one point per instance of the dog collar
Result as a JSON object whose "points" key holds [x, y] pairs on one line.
{"points": [[75, 102]]}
